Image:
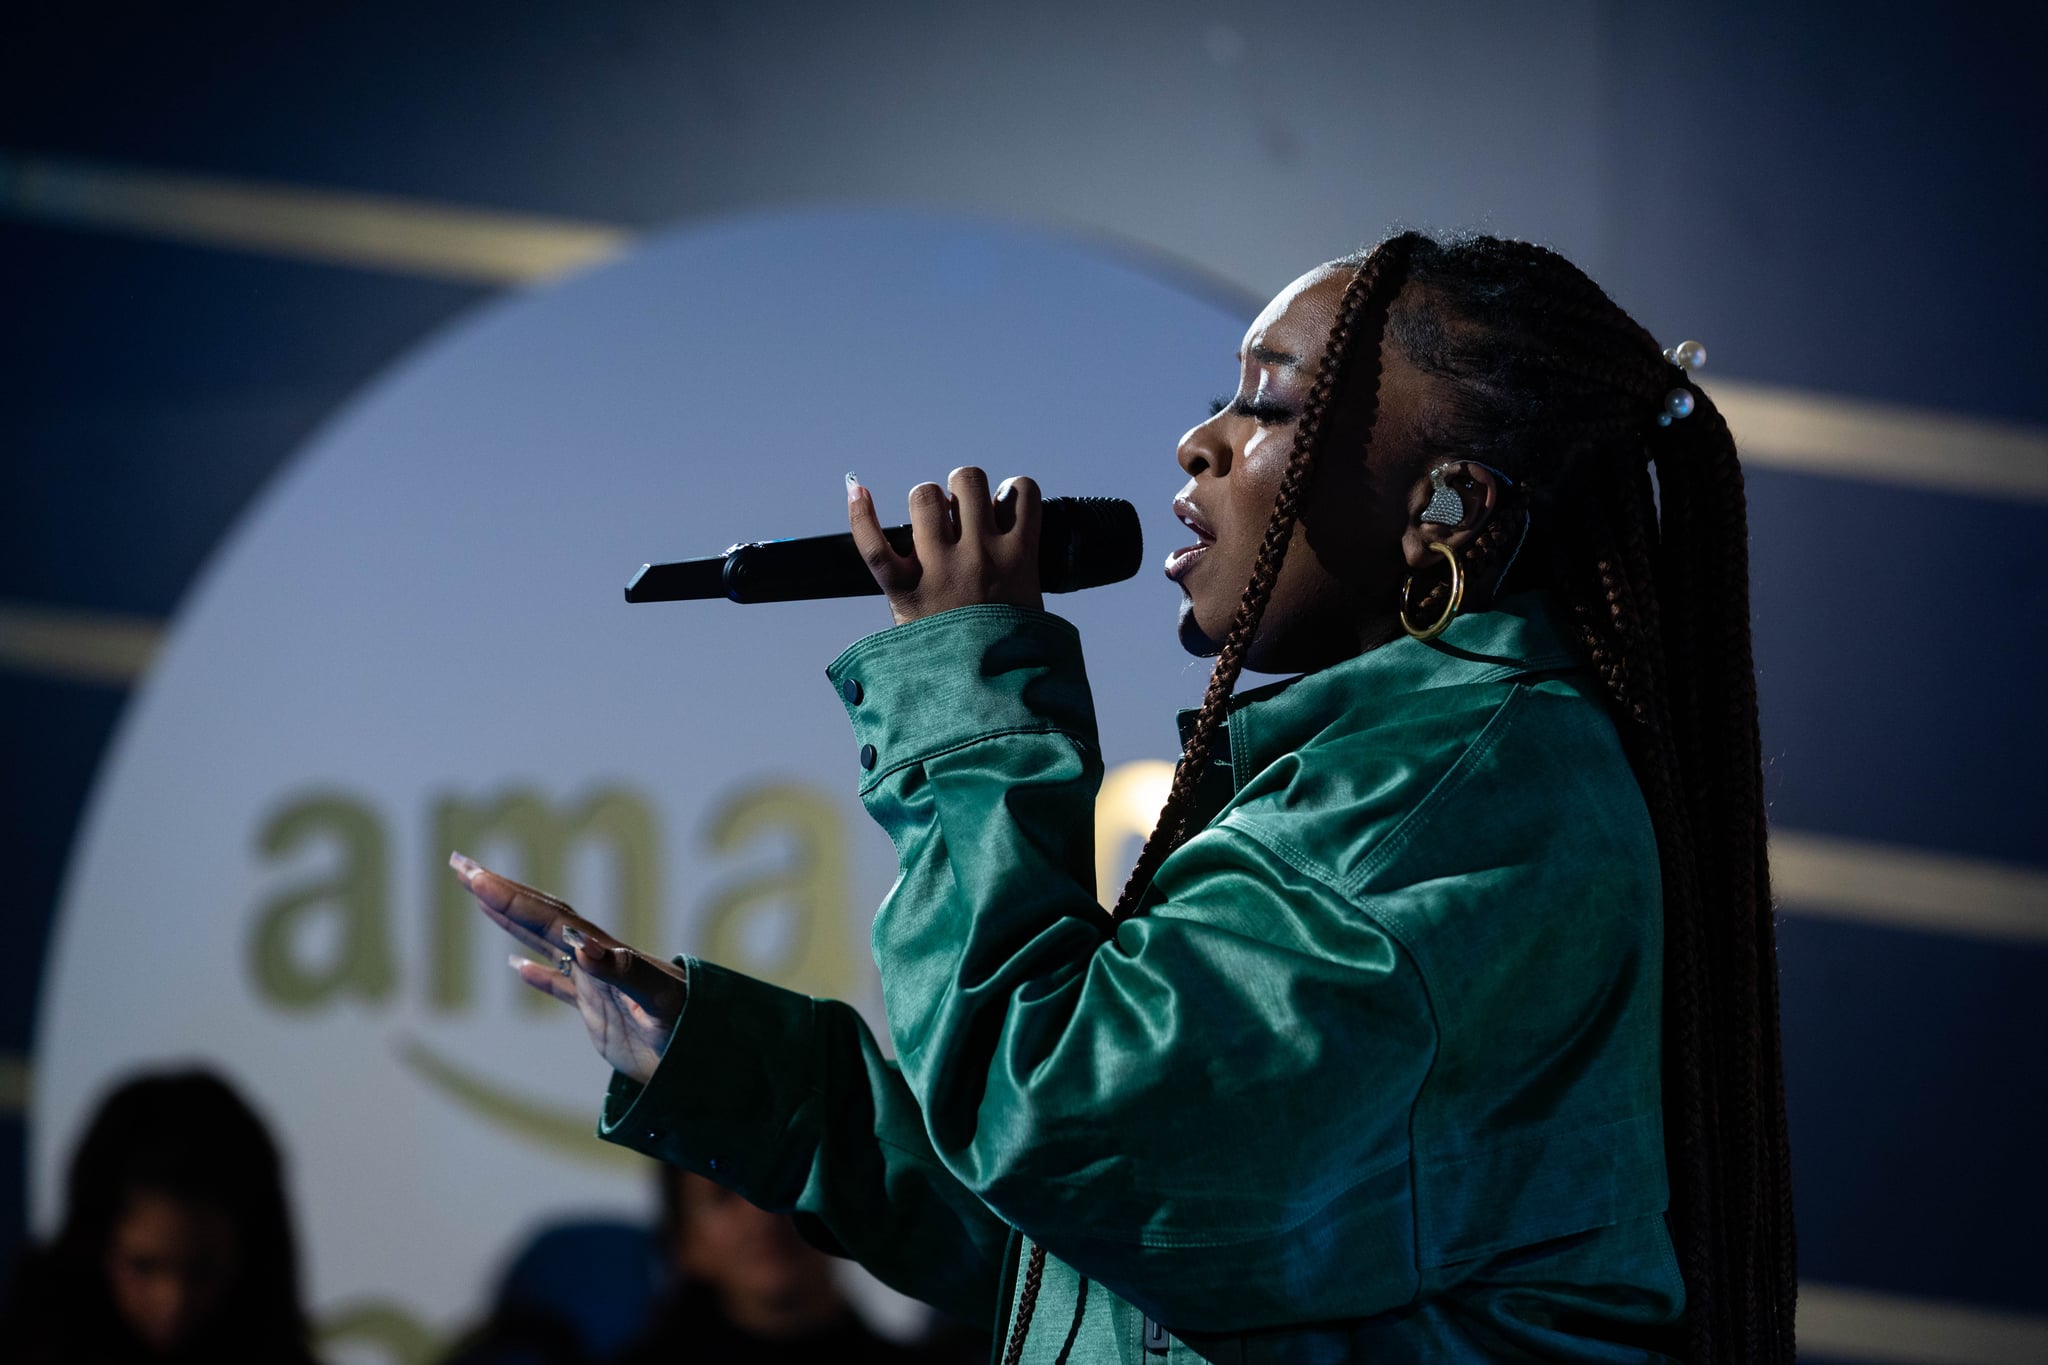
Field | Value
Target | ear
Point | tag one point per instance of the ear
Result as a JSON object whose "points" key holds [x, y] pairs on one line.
{"points": [[1478, 492]]}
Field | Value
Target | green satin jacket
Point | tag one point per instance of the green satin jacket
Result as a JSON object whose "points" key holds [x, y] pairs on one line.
{"points": [[1373, 1077]]}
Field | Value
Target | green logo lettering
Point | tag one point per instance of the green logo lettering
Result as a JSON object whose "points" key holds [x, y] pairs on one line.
{"points": [[811, 886], [351, 899]]}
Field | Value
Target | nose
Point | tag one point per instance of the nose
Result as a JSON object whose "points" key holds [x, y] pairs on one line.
{"points": [[1204, 448]]}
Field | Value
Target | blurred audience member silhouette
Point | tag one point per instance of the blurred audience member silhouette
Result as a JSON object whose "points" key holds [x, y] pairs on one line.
{"points": [[748, 1288], [578, 1292], [176, 1243], [719, 1280]]}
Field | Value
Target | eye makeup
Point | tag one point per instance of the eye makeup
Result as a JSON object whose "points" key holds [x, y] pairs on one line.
{"points": [[1259, 408]]}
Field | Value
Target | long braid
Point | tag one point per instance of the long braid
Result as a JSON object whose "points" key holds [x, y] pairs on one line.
{"points": [[1722, 654], [1695, 1124], [1621, 626], [1551, 381], [1361, 313], [1027, 1304], [1693, 1120]]}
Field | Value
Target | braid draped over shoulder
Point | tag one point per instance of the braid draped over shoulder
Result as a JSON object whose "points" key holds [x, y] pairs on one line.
{"points": [[1536, 372], [1361, 312]]}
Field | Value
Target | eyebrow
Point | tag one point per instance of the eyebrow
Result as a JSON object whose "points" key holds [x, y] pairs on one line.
{"points": [[1266, 355]]}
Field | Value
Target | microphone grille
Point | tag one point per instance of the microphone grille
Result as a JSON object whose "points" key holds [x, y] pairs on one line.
{"points": [[1088, 542]]}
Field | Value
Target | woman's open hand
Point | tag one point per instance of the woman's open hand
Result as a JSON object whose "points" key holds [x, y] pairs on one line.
{"points": [[968, 547], [629, 1002]]}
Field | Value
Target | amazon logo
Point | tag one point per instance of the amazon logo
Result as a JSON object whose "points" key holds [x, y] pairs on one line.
{"points": [[331, 938]]}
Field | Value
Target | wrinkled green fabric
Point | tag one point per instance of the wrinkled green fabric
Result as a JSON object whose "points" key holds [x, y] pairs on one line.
{"points": [[1373, 1076]]}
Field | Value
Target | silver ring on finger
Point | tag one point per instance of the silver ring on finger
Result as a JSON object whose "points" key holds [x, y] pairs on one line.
{"points": [[565, 962]]}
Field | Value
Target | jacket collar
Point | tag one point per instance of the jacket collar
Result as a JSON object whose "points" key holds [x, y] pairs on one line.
{"points": [[1519, 636]]}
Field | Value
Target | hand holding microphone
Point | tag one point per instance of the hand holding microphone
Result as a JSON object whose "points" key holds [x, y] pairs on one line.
{"points": [[961, 547], [966, 549]]}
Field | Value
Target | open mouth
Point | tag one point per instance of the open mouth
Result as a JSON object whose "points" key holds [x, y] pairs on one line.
{"points": [[1180, 561]]}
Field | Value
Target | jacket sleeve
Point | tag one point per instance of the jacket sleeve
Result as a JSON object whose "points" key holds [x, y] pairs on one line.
{"points": [[1204, 1108], [788, 1101]]}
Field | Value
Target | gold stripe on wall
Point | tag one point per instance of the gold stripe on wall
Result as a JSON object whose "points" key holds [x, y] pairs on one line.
{"points": [[1869, 883], [439, 241], [78, 646], [1856, 438], [1838, 1320], [1779, 428]]}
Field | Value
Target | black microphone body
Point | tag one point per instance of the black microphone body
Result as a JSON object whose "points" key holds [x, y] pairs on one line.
{"points": [[1082, 543]]}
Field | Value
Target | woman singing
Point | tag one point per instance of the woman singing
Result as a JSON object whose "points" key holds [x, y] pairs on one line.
{"points": [[1438, 1020]]}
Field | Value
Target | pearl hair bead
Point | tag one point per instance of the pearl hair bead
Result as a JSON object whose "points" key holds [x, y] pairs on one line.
{"points": [[1687, 355], [1679, 403]]}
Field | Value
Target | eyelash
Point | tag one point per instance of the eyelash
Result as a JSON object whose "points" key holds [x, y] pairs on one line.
{"points": [[1265, 414]]}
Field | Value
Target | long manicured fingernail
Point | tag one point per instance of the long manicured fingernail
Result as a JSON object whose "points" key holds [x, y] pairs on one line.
{"points": [[465, 866], [514, 960], [853, 488], [573, 936]]}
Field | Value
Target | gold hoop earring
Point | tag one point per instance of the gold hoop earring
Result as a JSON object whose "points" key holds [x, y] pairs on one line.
{"points": [[1436, 627]]}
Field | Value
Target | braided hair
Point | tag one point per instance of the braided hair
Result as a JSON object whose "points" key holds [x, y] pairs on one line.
{"points": [[1537, 373]]}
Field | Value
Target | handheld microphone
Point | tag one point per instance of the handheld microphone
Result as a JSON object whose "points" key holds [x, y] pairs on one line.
{"points": [[1082, 543]]}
